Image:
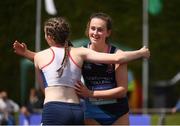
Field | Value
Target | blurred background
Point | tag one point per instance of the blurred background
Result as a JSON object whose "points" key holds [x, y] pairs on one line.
{"points": [[19, 21]]}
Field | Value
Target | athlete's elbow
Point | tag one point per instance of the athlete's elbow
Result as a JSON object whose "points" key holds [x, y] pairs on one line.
{"points": [[121, 59], [122, 93], [125, 90]]}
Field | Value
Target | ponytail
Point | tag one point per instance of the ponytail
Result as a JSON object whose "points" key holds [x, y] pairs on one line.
{"points": [[65, 59]]}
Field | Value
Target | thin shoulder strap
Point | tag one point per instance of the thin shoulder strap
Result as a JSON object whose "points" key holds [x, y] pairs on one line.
{"points": [[113, 49]]}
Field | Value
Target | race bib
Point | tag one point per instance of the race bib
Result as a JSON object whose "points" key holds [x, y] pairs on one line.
{"points": [[101, 101]]}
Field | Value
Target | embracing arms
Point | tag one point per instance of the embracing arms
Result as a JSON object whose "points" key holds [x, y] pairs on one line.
{"points": [[90, 55], [117, 58]]}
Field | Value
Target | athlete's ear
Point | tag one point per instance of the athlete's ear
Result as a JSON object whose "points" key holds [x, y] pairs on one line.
{"points": [[50, 38]]}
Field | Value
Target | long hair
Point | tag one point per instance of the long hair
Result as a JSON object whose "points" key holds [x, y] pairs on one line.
{"points": [[65, 60]]}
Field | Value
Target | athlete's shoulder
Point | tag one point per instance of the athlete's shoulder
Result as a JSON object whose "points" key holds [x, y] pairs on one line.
{"points": [[81, 48], [43, 53], [113, 48]]}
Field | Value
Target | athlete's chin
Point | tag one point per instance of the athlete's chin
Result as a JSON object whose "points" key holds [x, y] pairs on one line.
{"points": [[94, 41]]}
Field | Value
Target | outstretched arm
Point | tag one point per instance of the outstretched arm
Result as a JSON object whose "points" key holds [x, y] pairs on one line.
{"points": [[118, 58], [21, 49]]}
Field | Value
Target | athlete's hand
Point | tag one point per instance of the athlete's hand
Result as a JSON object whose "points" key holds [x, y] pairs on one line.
{"points": [[145, 52], [82, 90], [19, 48]]}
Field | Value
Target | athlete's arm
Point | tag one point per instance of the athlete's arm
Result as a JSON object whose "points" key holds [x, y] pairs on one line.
{"points": [[38, 73], [117, 92], [119, 57], [21, 49], [121, 75]]}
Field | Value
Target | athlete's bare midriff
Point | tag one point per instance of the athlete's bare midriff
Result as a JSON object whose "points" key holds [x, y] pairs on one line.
{"points": [[61, 93]]}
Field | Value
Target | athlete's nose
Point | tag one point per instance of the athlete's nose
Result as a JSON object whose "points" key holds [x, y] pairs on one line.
{"points": [[96, 31]]}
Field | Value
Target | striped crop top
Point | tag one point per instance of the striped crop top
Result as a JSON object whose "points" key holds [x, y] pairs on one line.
{"points": [[71, 73]]}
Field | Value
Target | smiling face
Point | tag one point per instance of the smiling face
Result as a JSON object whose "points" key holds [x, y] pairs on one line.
{"points": [[98, 32]]}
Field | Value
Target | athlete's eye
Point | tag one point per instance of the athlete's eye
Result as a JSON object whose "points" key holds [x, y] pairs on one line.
{"points": [[93, 28], [100, 29]]}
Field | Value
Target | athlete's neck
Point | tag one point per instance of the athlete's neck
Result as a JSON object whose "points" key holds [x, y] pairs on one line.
{"points": [[57, 45]]}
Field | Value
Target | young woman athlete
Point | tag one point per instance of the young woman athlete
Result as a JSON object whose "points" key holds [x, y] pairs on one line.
{"points": [[106, 85]]}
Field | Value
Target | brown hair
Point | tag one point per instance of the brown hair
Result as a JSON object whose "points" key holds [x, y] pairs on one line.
{"points": [[59, 29], [102, 16]]}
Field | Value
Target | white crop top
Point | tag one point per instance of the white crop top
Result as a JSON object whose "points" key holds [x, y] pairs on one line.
{"points": [[71, 73]]}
